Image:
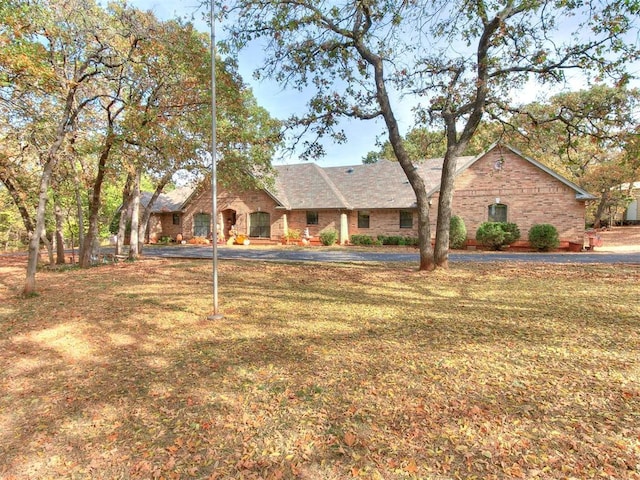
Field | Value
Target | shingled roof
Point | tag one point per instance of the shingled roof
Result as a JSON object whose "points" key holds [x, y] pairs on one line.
{"points": [[307, 186], [377, 185], [172, 201]]}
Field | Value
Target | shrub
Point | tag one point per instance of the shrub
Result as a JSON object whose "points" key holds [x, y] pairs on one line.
{"points": [[329, 236], [362, 240], [497, 235], [544, 237], [396, 240], [513, 232], [410, 241], [457, 233], [292, 235], [389, 240]]}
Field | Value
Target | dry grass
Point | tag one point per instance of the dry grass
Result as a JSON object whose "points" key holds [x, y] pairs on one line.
{"points": [[321, 372]]}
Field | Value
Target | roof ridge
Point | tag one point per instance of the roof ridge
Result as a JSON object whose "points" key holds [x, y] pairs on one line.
{"points": [[336, 191]]}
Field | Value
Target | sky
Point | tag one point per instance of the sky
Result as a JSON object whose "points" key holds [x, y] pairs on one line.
{"points": [[361, 135], [279, 103]]}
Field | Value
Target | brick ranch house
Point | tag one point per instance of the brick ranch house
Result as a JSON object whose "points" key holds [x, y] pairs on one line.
{"points": [[376, 199]]}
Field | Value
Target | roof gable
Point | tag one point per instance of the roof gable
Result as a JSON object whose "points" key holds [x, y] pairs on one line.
{"points": [[172, 201], [307, 186], [380, 185], [581, 194]]}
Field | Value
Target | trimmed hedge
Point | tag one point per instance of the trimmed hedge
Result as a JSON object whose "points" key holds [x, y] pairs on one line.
{"points": [[397, 240], [329, 236], [362, 240], [544, 237], [497, 235], [457, 233]]}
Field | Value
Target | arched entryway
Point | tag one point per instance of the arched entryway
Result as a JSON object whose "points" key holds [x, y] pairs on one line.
{"points": [[229, 221]]}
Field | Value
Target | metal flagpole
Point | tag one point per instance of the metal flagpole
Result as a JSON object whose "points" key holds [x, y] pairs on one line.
{"points": [[214, 187]]}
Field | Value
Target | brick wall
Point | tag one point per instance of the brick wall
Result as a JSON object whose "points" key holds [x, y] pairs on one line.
{"points": [[297, 219], [531, 195], [243, 204], [383, 222], [161, 225]]}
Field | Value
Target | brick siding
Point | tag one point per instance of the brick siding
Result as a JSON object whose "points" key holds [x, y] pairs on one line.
{"points": [[531, 195]]}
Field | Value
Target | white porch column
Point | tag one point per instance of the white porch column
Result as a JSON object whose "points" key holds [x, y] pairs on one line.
{"points": [[285, 225], [344, 228], [220, 227]]}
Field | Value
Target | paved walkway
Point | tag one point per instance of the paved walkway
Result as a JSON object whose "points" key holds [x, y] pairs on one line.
{"points": [[320, 254]]}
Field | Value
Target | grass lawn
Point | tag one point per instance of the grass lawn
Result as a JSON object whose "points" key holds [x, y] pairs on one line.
{"points": [[320, 372]]}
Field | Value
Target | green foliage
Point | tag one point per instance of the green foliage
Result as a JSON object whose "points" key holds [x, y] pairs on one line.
{"points": [[544, 237], [513, 232], [363, 240], [12, 232], [457, 232], [329, 236], [293, 234], [497, 235], [397, 240]]}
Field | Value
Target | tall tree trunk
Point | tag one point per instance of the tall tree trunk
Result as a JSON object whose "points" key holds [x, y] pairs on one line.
{"points": [[395, 139], [79, 206], [60, 260], [91, 240], [424, 237], [125, 213], [34, 241], [146, 212], [135, 218], [602, 205], [49, 246], [441, 251]]}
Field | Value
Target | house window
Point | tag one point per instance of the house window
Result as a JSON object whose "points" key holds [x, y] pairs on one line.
{"points": [[363, 219], [176, 219], [201, 225], [497, 212], [260, 225], [312, 218], [406, 219]]}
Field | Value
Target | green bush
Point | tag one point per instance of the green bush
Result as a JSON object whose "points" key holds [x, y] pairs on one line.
{"points": [[513, 232], [410, 241], [544, 237], [329, 236], [396, 240], [497, 235], [457, 233], [389, 240], [362, 240]]}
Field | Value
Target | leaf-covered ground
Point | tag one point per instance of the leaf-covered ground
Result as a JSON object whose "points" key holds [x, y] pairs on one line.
{"points": [[320, 372]]}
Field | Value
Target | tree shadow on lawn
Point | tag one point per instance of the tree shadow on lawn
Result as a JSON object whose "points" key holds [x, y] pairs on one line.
{"points": [[294, 384]]}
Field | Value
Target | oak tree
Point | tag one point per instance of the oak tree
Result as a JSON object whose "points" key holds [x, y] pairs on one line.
{"points": [[453, 60]]}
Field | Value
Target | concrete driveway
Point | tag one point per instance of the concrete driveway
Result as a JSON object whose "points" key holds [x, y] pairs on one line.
{"points": [[336, 254]]}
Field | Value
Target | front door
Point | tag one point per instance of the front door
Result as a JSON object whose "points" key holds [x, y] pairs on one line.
{"points": [[229, 217]]}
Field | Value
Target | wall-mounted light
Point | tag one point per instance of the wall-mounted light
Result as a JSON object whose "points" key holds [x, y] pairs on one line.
{"points": [[497, 199]]}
